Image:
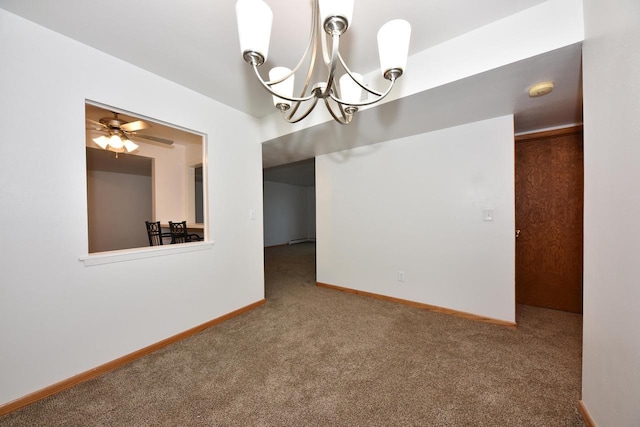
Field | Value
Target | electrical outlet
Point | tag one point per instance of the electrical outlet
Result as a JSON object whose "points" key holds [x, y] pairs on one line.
{"points": [[401, 276]]}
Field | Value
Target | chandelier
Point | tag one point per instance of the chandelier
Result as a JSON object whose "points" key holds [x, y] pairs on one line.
{"points": [[329, 20]]}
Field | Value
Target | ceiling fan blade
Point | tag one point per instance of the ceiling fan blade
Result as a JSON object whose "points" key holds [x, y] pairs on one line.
{"points": [[134, 126], [155, 138], [94, 130], [97, 124]]}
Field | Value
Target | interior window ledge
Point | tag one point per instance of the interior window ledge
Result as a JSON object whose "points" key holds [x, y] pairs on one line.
{"points": [[142, 253]]}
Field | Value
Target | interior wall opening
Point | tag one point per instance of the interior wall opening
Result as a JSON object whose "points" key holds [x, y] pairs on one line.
{"points": [[140, 169]]}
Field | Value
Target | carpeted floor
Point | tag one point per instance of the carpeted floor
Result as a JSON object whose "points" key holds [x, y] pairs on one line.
{"points": [[314, 356]]}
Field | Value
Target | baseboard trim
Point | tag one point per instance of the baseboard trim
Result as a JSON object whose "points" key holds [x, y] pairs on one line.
{"points": [[415, 304], [586, 416], [109, 366], [276, 246]]}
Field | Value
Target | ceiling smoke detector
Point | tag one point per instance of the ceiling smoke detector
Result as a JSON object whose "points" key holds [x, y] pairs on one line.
{"points": [[541, 89]]}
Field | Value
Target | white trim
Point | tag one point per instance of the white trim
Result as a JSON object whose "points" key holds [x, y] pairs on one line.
{"points": [[142, 253]]}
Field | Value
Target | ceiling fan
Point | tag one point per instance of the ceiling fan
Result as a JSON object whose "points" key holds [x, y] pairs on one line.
{"points": [[119, 134]]}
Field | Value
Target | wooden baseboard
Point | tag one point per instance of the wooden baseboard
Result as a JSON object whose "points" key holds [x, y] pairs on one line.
{"points": [[586, 416], [109, 366], [433, 308]]}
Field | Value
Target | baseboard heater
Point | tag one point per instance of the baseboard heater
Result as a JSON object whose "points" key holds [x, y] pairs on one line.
{"points": [[304, 240]]}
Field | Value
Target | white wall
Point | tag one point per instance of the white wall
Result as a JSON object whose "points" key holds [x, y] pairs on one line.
{"points": [[171, 184], [193, 158], [170, 181], [611, 354], [287, 214], [193, 154], [58, 317], [118, 206], [416, 205], [311, 212]]}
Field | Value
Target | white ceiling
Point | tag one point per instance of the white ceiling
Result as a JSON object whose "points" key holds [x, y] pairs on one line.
{"points": [[195, 44]]}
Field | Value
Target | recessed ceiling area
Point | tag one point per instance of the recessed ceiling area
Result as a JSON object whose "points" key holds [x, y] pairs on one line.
{"points": [[494, 93]]}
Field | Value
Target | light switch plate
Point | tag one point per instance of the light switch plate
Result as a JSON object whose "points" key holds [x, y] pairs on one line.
{"points": [[488, 214]]}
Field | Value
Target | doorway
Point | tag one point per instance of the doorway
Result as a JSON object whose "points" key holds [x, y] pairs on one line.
{"points": [[289, 203], [549, 192]]}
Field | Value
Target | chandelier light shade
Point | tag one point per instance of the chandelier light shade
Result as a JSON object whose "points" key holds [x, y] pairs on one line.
{"points": [[285, 87], [336, 8], [350, 91], [254, 27], [329, 21], [393, 45]]}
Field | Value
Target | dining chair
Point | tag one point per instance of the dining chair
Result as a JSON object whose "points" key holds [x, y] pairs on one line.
{"points": [[154, 232], [179, 234]]}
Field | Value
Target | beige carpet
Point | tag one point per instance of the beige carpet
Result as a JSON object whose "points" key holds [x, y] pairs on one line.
{"points": [[314, 356]]}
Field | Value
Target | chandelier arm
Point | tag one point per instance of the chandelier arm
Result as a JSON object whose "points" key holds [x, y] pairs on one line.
{"points": [[332, 68], [362, 104], [325, 49], [306, 113], [312, 62], [272, 92], [287, 117], [323, 36], [342, 121], [344, 65], [312, 42]]}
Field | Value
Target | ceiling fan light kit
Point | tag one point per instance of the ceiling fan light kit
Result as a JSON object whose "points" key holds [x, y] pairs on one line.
{"points": [[120, 132], [117, 139], [116, 144], [329, 20]]}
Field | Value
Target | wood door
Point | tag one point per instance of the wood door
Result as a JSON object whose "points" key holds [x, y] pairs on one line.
{"points": [[549, 207]]}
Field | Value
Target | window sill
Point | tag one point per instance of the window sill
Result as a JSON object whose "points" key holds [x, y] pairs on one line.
{"points": [[142, 253]]}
